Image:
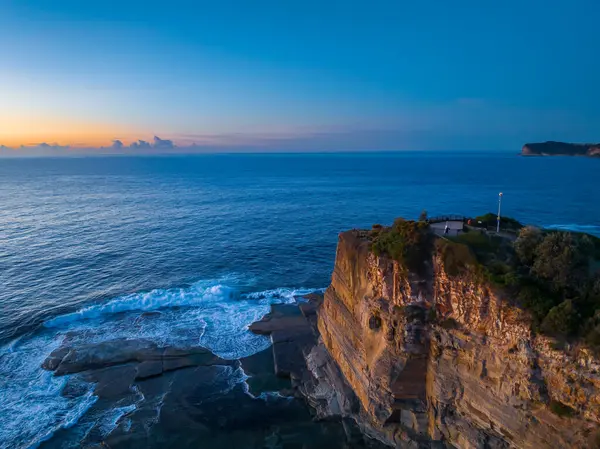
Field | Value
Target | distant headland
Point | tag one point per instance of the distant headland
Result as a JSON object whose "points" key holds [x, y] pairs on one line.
{"points": [[561, 149]]}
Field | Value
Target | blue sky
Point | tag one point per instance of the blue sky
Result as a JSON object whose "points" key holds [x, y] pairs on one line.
{"points": [[309, 75]]}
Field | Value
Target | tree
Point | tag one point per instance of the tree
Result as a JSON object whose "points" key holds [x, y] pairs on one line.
{"points": [[423, 216], [527, 243], [563, 261]]}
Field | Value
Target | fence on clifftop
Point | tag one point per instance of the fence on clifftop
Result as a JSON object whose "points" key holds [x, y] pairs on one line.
{"points": [[441, 218]]}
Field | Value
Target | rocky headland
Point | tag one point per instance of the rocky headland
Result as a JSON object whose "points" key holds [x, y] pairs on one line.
{"points": [[419, 342], [561, 149], [426, 351]]}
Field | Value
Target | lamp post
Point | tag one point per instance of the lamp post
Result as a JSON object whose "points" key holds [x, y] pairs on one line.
{"points": [[499, 207]]}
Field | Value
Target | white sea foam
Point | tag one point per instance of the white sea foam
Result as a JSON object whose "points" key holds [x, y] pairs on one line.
{"points": [[111, 419], [33, 408], [209, 314], [149, 301]]}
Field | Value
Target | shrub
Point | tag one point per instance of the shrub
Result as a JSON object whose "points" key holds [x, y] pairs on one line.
{"points": [[562, 260], [591, 331], [537, 300], [490, 219], [406, 241], [502, 274], [560, 320], [526, 244], [560, 409], [457, 258]]}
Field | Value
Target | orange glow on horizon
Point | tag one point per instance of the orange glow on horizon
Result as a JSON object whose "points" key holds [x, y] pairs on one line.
{"points": [[30, 131]]}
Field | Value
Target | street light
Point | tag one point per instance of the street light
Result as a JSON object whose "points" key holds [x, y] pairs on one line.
{"points": [[499, 206]]}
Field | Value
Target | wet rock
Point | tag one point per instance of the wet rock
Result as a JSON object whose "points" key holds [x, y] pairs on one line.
{"points": [[54, 359], [150, 359], [292, 336], [112, 382], [260, 368], [104, 354], [177, 358], [148, 369], [282, 316]]}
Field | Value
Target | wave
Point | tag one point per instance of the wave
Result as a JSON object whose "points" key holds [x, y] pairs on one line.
{"points": [[211, 314], [147, 302], [590, 229]]}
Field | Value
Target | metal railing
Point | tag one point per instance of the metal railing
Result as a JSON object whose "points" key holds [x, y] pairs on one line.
{"points": [[441, 218]]}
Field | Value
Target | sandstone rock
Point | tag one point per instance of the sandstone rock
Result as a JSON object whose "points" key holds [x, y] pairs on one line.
{"points": [[484, 382]]}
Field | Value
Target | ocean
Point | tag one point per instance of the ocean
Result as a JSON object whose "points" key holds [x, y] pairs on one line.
{"points": [[206, 243]]}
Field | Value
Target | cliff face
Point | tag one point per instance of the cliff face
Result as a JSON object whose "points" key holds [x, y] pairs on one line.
{"points": [[561, 149], [436, 359]]}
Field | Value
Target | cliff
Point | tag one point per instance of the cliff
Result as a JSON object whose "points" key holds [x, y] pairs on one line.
{"points": [[436, 357], [561, 149]]}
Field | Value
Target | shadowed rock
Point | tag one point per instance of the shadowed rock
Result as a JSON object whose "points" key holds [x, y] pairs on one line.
{"points": [[146, 357], [292, 336]]}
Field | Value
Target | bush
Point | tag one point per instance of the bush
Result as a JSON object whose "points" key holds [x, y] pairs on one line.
{"points": [[407, 242], [591, 331], [561, 320], [563, 261], [537, 300], [506, 223], [560, 409], [457, 258], [526, 244], [502, 274]]}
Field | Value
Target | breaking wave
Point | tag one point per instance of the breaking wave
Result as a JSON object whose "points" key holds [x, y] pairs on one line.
{"points": [[207, 313]]}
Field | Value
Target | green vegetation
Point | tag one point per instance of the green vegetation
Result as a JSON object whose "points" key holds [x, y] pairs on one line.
{"points": [[457, 257], [408, 242], [555, 275], [551, 273], [560, 409], [506, 223]]}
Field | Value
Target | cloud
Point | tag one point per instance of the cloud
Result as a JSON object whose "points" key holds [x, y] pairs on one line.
{"points": [[163, 144], [159, 144], [117, 144], [140, 145], [47, 146]]}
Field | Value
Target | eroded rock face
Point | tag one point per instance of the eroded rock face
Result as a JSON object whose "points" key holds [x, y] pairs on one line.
{"points": [[441, 360]]}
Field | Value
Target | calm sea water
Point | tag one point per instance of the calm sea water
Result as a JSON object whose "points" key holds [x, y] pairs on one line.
{"points": [[87, 245]]}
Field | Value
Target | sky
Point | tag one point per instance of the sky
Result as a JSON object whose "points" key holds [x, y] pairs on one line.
{"points": [[130, 76]]}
